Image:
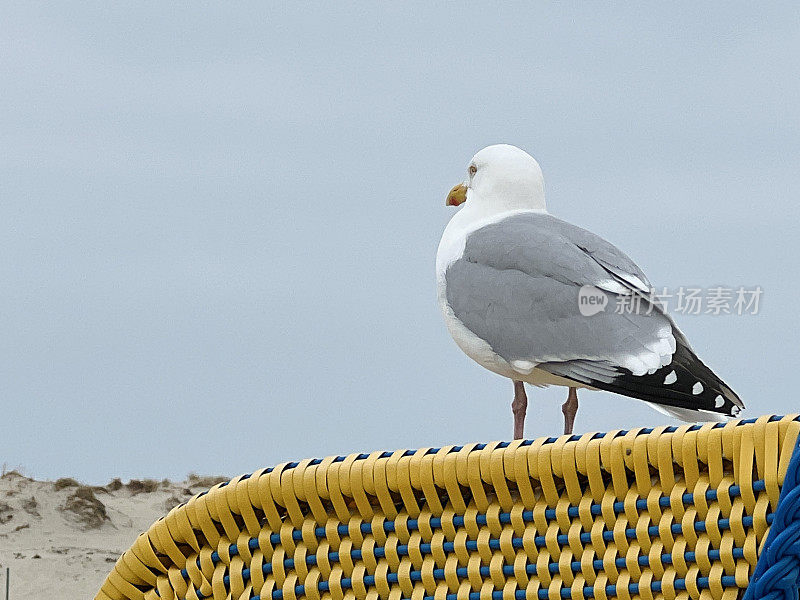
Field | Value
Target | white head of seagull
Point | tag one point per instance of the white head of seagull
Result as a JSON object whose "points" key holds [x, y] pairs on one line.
{"points": [[500, 178]]}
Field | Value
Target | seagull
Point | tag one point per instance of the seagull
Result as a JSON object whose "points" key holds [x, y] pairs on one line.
{"points": [[532, 298]]}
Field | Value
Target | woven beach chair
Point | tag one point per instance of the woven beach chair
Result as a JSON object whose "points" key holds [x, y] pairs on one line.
{"points": [[709, 511]]}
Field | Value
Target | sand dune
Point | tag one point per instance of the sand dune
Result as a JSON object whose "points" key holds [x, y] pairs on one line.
{"points": [[61, 538]]}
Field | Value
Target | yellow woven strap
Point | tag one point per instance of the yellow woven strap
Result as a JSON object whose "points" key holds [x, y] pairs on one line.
{"points": [[668, 513]]}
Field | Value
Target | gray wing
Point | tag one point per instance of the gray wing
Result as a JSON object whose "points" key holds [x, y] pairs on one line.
{"points": [[613, 261], [517, 287]]}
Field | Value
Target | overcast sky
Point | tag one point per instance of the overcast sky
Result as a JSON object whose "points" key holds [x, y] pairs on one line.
{"points": [[218, 222]]}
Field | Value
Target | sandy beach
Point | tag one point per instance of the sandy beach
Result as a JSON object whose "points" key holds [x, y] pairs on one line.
{"points": [[60, 538]]}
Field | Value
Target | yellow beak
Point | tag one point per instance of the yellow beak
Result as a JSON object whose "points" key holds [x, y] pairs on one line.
{"points": [[457, 195]]}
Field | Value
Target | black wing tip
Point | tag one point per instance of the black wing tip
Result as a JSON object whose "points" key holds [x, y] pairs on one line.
{"points": [[683, 385], [689, 389]]}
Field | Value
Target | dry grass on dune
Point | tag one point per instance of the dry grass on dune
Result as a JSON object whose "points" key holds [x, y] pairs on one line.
{"points": [[60, 538]]}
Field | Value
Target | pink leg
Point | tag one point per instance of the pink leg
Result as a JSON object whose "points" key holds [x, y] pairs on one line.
{"points": [[518, 407], [570, 408]]}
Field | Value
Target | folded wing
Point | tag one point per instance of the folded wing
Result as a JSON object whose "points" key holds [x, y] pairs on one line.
{"points": [[517, 286]]}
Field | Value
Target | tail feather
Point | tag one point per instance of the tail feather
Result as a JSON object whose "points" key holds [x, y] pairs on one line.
{"points": [[685, 388]]}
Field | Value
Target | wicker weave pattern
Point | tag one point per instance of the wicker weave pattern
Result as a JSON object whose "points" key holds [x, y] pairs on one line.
{"points": [[664, 513]]}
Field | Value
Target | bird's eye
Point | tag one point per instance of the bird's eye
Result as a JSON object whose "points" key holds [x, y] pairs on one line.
{"points": [[473, 169]]}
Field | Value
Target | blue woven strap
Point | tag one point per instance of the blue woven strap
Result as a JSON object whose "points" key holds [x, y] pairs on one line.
{"points": [[777, 573]]}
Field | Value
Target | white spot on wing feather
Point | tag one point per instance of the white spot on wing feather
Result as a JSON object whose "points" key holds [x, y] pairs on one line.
{"points": [[612, 286], [523, 366]]}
